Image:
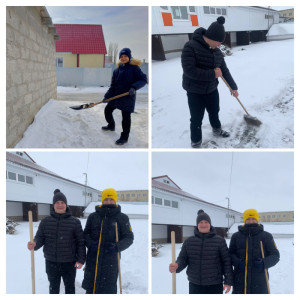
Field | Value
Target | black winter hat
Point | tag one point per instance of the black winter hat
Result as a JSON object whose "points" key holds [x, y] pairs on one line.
{"points": [[216, 30], [59, 196], [202, 216], [125, 51]]}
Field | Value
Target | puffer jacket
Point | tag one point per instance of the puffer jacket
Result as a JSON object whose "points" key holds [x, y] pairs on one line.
{"points": [[125, 77], [198, 62], [62, 238], [100, 233], [207, 259], [245, 250]]}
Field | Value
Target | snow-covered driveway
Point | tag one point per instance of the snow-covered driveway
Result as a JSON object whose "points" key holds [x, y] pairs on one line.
{"points": [[264, 73]]}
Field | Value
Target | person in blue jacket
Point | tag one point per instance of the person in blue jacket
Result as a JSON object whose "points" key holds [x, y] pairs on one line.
{"points": [[127, 77]]}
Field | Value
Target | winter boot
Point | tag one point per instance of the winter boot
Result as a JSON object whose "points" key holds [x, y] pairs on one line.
{"points": [[220, 132], [108, 128], [197, 144], [121, 141]]}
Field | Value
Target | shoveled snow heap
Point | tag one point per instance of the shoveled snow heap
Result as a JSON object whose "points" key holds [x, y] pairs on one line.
{"points": [[281, 29], [58, 126], [264, 73]]}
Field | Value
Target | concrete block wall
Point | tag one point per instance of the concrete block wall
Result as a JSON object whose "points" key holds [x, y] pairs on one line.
{"points": [[30, 69]]}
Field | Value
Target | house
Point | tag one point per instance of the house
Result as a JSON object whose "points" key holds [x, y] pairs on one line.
{"points": [[80, 45], [277, 216], [176, 210], [287, 15], [173, 26], [30, 67], [30, 186], [133, 195]]}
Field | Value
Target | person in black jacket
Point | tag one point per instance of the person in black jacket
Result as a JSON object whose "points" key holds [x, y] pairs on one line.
{"points": [[246, 255], [62, 237], [207, 259], [203, 63], [128, 77], [101, 271]]}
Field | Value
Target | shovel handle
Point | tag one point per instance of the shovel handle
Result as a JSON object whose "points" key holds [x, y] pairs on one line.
{"points": [[235, 96], [31, 252], [266, 272], [173, 262], [109, 99]]}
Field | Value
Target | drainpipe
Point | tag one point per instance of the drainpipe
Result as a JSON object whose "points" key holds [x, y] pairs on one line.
{"points": [[77, 60]]}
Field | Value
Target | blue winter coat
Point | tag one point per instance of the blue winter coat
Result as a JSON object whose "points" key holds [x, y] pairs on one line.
{"points": [[125, 77]]}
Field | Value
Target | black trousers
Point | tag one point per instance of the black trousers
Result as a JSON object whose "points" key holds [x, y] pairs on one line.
{"points": [[56, 271], [197, 104], [126, 120], [205, 289]]}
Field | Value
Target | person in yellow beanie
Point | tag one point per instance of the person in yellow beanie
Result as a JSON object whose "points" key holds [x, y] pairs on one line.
{"points": [[101, 271], [246, 255]]}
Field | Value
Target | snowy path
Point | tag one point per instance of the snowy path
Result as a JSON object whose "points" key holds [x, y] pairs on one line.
{"points": [[264, 73], [58, 126], [134, 263], [281, 275]]}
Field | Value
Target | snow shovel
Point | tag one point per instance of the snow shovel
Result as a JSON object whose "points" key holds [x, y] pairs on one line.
{"points": [[248, 118], [119, 263], [32, 252], [173, 262], [266, 272], [89, 105]]}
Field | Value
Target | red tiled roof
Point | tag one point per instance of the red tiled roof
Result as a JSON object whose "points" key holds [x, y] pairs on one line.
{"points": [[80, 39]]}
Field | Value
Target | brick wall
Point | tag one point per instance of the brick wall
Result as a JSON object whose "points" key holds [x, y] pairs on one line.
{"points": [[30, 68]]}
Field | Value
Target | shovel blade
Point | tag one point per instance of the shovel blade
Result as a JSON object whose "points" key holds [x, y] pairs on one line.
{"points": [[78, 107], [252, 120]]}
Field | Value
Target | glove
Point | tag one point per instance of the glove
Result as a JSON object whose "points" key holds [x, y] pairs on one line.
{"points": [[111, 248], [259, 264], [131, 92], [242, 265]]}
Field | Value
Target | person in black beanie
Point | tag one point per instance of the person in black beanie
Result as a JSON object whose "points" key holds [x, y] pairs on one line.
{"points": [[61, 237], [127, 77], [207, 259], [203, 63]]}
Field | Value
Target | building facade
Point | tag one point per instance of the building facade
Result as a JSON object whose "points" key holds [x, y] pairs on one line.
{"points": [[276, 216], [173, 26], [176, 210], [30, 186]]}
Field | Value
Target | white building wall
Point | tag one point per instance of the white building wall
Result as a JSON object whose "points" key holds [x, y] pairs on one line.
{"points": [[43, 209], [14, 209], [159, 231], [41, 191]]}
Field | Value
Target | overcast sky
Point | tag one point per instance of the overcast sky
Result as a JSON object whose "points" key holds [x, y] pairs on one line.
{"points": [[125, 25], [119, 170], [260, 180]]}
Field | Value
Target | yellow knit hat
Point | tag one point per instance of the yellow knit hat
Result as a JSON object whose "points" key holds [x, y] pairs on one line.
{"points": [[251, 213], [109, 193]]}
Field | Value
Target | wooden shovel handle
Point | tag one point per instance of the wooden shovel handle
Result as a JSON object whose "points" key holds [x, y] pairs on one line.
{"points": [[109, 99], [32, 252], [173, 262], [266, 272], [119, 261]]}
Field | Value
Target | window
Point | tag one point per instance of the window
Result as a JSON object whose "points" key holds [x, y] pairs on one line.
{"points": [[158, 201], [127, 195], [12, 176], [144, 195], [132, 195], [192, 9], [174, 204], [219, 11], [223, 11], [212, 10], [152, 200], [164, 7], [167, 203], [206, 10], [29, 180], [139, 195], [179, 12], [21, 178], [59, 62]]}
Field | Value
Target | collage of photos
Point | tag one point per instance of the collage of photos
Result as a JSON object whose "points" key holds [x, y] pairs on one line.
{"points": [[149, 150]]}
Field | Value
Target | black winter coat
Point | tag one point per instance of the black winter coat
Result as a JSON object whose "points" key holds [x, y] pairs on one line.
{"points": [[198, 62], [245, 249], [207, 259], [62, 238], [100, 233], [125, 77]]}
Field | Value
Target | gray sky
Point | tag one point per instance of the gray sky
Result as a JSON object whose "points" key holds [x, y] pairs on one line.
{"points": [[125, 25], [119, 170], [260, 180]]}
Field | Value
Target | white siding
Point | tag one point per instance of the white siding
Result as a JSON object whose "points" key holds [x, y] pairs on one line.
{"points": [[43, 209]]}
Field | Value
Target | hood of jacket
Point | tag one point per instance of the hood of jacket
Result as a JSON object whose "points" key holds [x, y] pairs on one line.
{"points": [[198, 36], [209, 234], [67, 214], [251, 229], [133, 62], [108, 210]]}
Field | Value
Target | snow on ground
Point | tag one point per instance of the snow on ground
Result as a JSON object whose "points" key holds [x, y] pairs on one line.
{"points": [[264, 73], [281, 275], [134, 263], [281, 29], [58, 126]]}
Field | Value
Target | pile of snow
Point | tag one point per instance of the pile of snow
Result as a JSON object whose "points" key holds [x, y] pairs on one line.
{"points": [[131, 209], [275, 228], [134, 263], [281, 29], [281, 275], [58, 126], [264, 73]]}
